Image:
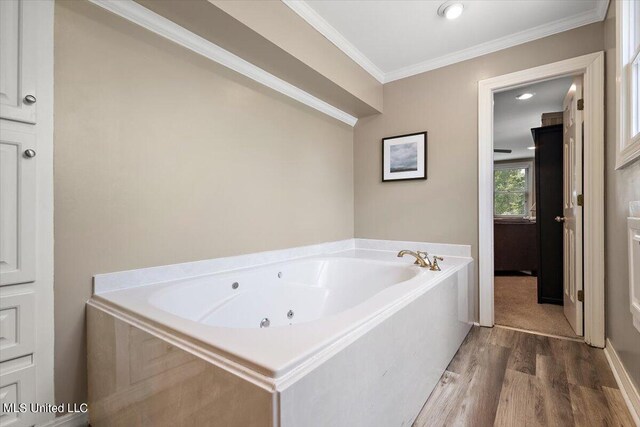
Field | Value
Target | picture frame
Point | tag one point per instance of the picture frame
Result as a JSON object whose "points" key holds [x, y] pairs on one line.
{"points": [[404, 157]]}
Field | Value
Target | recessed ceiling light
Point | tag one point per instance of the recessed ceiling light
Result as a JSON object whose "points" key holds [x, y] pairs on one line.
{"points": [[533, 147], [451, 10], [524, 96]]}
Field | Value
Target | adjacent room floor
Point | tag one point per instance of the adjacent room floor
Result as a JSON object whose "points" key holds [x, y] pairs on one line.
{"points": [[515, 305], [504, 377]]}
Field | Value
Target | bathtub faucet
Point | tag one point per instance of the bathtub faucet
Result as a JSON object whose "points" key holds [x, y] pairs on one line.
{"points": [[421, 257]]}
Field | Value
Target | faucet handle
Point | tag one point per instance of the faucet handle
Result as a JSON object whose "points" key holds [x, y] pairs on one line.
{"points": [[434, 263]]}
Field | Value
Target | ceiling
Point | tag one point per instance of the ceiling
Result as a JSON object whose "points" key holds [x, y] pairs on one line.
{"points": [[393, 39], [513, 119]]}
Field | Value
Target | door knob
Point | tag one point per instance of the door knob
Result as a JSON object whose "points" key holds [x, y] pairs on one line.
{"points": [[560, 219], [29, 99], [29, 153]]}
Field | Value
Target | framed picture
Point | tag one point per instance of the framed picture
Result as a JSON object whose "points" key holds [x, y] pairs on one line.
{"points": [[404, 157]]}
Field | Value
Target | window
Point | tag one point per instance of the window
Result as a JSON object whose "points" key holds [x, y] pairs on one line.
{"points": [[628, 70], [512, 189]]}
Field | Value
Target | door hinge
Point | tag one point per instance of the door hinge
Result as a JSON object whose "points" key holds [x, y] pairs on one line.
{"points": [[580, 104], [580, 200], [581, 295]]}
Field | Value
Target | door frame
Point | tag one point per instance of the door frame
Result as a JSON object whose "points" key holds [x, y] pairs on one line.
{"points": [[591, 66]]}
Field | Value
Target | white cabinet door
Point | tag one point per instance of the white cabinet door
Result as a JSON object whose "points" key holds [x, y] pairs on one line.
{"points": [[572, 212], [17, 387], [17, 207], [17, 319], [18, 56]]}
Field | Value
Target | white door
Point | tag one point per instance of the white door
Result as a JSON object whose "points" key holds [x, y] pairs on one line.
{"points": [[572, 214], [17, 206], [18, 21]]}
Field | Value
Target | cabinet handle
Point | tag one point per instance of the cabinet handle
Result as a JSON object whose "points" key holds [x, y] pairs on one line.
{"points": [[29, 153], [560, 219], [29, 99]]}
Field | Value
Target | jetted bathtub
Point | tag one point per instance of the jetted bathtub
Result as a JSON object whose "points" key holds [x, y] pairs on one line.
{"points": [[342, 338]]}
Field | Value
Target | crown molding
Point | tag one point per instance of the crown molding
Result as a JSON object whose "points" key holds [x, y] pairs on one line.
{"points": [[155, 23], [603, 7], [150, 20], [314, 19], [541, 31]]}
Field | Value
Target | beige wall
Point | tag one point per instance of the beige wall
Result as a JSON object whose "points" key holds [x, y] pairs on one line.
{"points": [[622, 187], [260, 32], [277, 22], [444, 102], [162, 156]]}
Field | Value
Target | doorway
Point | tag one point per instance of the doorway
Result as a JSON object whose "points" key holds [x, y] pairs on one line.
{"points": [[531, 160], [592, 232]]}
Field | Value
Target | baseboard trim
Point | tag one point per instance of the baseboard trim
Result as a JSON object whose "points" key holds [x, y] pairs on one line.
{"points": [[628, 390], [69, 420]]}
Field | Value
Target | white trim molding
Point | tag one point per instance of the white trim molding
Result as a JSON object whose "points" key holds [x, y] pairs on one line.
{"points": [[44, 354], [313, 18], [628, 155], [157, 24], [592, 67], [628, 390], [501, 43], [634, 270], [627, 146]]}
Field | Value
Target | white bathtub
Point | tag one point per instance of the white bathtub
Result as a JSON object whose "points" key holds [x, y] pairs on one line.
{"points": [[284, 294], [300, 328]]}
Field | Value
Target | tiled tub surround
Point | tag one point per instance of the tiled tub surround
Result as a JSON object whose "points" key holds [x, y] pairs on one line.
{"points": [[369, 337]]}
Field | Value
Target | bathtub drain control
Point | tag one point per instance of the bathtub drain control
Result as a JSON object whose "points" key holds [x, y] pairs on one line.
{"points": [[279, 274], [235, 285], [290, 314], [264, 323]]}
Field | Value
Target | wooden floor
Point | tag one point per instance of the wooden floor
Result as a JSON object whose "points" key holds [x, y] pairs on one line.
{"points": [[502, 377]]}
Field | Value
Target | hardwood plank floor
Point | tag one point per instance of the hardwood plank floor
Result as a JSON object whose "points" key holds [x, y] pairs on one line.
{"points": [[502, 377]]}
